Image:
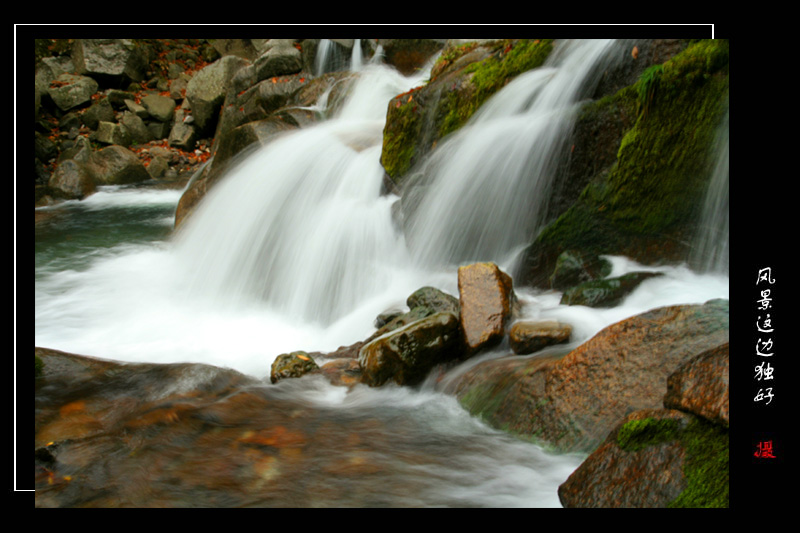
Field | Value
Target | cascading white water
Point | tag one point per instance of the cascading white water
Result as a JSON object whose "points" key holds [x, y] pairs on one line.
{"points": [[710, 252], [487, 186], [301, 223], [330, 57]]}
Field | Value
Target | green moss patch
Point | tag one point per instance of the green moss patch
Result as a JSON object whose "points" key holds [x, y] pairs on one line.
{"points": [[706, 468], [490, 75], [647, 203]]}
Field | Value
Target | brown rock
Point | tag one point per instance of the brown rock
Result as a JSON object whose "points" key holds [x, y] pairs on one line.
{"points": [[612, 477], [406, 355], [342, 372], [701, 386], [526, 337], [486, 296], [292, 365], [572, 402]]}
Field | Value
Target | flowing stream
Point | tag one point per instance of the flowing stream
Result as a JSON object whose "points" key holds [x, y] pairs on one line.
{"points": [[296, 249]]}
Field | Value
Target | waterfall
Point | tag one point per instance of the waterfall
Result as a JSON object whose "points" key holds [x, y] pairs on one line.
{"points": [[301, 223], [710, 249], [332, 57], [486, 187]]}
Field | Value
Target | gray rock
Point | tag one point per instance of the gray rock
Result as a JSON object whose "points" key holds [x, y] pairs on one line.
{"points": [[73, 180], [116, 165], [114, 59], [69, 90], [206, 90], [161, 108], [113, 133], [281, 59], [137, 129]]}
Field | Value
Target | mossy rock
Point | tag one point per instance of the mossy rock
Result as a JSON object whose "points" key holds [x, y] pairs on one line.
{"points": [[466, 76], [655, 458], [292, 365], [605, 292], [646, 205]]}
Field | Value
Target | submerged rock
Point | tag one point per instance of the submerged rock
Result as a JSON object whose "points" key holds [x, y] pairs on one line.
{"points": [[530, 336], [573, 268], [605, 292]]}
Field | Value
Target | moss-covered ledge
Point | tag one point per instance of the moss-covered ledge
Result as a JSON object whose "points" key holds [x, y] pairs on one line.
{"points": [[466, 76], [646, 205]]}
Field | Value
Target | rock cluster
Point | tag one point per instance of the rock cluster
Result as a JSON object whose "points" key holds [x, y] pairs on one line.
{"points": [[438, 329], [116, 111]]}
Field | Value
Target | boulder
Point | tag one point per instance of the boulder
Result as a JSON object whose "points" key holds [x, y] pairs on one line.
{"points": [[161, 108], [701, 386], [342, 372], [433, 299], [654, 458], [486, 298], [206, 91], [529, 336], [69, 91], [100, 111], [464, 77], [410, 55], [113, 61], [72, 180], [116, 165], [422, 303], [137, 129], [279, 59], [571, 401], [113, 133], [292, 365], [257, 102], [643, 202], [406, 355]]}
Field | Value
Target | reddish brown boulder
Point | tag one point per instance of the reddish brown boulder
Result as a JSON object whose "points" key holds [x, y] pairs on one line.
{"points": [[572, 402], [486, 296], [654, 458], [701, 386]]}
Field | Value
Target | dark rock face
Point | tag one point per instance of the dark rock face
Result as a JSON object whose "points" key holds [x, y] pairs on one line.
{"points": [[571, 402]]}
